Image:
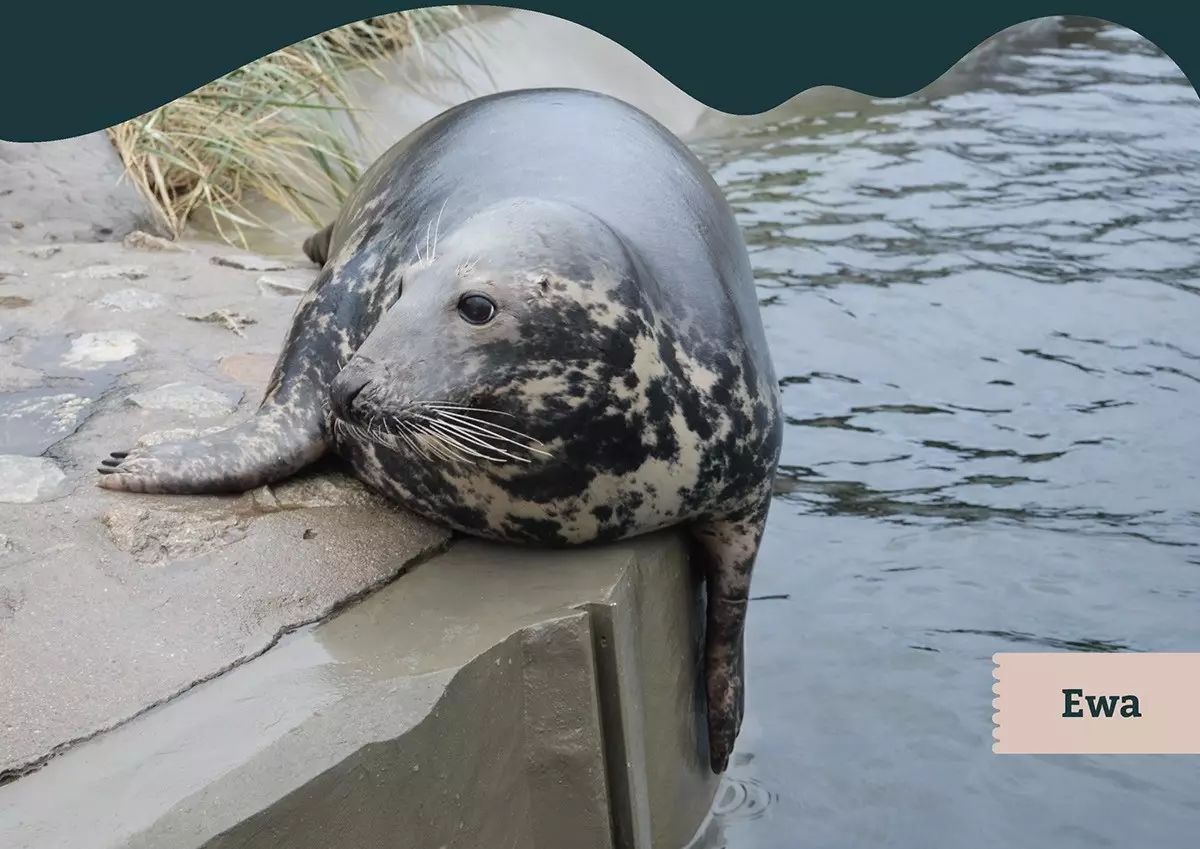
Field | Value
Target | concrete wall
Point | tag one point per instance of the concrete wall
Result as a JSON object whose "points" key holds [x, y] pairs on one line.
{"points": [[492, 697]]}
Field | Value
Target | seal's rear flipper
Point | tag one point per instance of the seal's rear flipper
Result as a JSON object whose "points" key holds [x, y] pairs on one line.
{"points": [[316, 246], [728, 548]]}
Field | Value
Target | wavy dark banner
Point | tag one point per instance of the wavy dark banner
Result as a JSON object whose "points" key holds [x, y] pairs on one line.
{"points": [[73, 71]]}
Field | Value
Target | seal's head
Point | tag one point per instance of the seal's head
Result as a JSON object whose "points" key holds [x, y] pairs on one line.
{"points": [[521, 348]]}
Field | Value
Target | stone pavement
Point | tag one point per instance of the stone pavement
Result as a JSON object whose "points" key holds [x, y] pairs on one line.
{"points": [[112, 602]]}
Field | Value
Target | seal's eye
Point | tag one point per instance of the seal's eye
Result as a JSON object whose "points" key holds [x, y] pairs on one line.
{"points": [[477, 309]]}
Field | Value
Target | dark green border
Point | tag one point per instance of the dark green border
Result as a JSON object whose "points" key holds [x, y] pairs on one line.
{"points": [[72, 71]]}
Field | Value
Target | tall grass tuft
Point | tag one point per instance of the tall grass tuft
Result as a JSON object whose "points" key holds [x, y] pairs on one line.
{"points": [[268, 129]]}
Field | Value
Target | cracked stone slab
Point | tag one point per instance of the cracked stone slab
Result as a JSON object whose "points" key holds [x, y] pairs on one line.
{"points": [[113, 602], [42, 251], [24, 480], [8, 269], [336, 489], [130, 300], [189, 398], [107, 272], [134, 600], [154, 535], [48, 416], [93, 350], [250, 369], [281, 286]]}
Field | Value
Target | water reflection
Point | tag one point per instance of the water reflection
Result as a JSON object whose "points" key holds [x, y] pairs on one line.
{"points": [[982, 303]]}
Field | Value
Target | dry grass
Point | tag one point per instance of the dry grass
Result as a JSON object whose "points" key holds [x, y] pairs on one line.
{"points": [[269, 129]]}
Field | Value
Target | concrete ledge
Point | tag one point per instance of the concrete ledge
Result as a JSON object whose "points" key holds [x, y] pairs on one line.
{"points": [[491, 697]]}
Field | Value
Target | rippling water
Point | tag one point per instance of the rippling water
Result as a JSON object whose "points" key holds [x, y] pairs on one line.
{"points": [[984, 308]]}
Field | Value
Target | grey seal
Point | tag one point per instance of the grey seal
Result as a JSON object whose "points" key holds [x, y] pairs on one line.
{"points": [[535, 322]]}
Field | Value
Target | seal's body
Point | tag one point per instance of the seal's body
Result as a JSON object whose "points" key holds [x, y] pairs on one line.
{"points": [[536, 323]]}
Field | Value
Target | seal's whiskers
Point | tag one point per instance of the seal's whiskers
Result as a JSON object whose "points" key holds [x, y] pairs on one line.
{"points": [[470, 427], [438, 445], [413, 437], [439, 405], [496, 438], [381, 424], [435, 428], [457, 432], [444, 431], [463, 414], [437, 227]]}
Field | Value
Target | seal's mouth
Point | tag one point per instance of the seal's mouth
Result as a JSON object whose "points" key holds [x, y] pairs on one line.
{"points": [[440, 431]]}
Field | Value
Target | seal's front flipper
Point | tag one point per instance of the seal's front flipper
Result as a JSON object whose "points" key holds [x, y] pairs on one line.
{"points": [[316, 246], [269, 447], [728, 548], [288, 431]]}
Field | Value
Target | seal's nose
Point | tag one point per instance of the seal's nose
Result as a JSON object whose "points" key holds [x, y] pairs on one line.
{"points": [[346, 387]]}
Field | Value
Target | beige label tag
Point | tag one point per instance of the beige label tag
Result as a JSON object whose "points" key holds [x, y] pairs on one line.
{"points": [[1079, 703]]}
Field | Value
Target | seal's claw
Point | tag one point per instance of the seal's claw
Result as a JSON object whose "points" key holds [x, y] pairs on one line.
{"points": [[158, 468]]}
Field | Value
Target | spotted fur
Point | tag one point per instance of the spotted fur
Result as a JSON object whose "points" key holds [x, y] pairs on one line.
{"points": [[623, 385]]}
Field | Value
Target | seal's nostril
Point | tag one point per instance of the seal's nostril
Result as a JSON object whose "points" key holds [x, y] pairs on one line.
{"points": [[344, 390]]}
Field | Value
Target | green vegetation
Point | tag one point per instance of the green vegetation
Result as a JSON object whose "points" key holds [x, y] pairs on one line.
{"points": [[268, 129]]}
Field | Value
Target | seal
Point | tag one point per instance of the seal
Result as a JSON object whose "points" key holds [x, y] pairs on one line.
{"points": [[535, 322]]}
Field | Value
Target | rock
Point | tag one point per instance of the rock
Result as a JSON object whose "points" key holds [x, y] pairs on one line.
{"points": [[147, 242], [333, 489], [14, 377], [69, 190], [13, 302], [190, 398], [107, 272], [61, 412], [234, 321], [92, 350], [153, 535], [130, 300], [284, 286], [42, 251], [264, 500], [248, 262], [8, 604], [249, 369], [7, 269], [35, 420], [24, 480]]}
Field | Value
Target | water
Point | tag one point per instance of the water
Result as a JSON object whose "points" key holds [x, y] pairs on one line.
{"points": [[984, 309]]}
